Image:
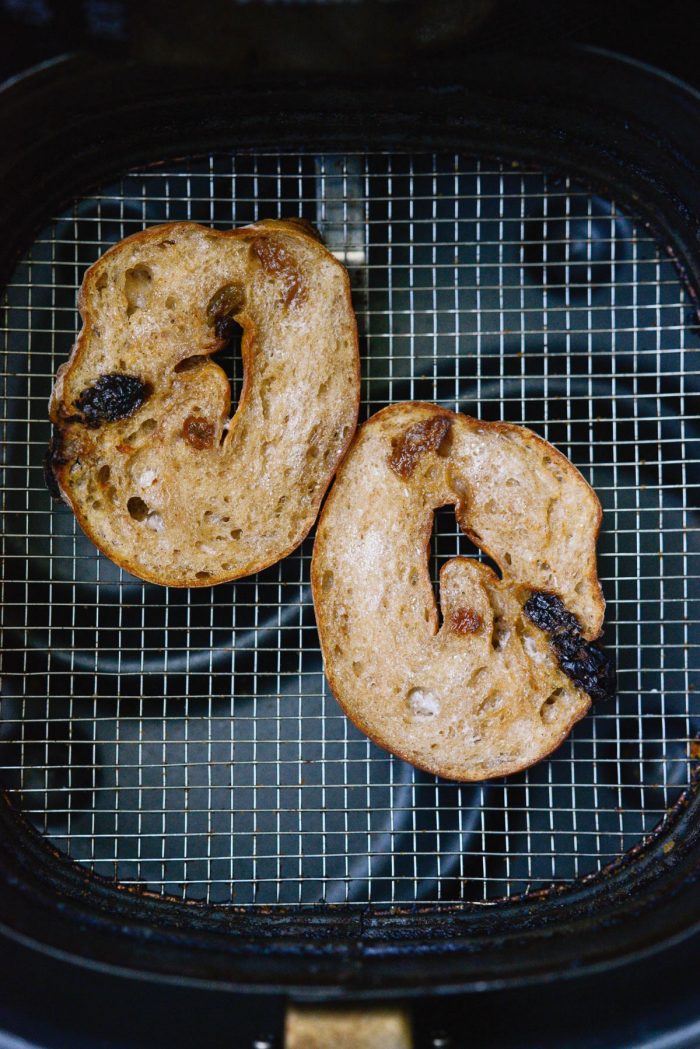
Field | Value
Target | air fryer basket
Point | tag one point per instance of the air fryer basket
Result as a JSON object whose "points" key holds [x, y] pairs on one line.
{"points": [[512, 257]]}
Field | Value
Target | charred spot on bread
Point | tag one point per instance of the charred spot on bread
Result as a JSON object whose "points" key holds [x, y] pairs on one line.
{"points": [[415, 441], [466, 621], [112, 397], [275, 259], [222, 309], [198, 432], [587, 664]]}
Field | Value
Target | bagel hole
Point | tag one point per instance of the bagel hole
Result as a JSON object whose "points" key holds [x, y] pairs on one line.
{"points": [[449, 541], [357, 667], [327, 581], [138, 510], [235, 533], [230, 360], [103, 474], [137, 288], [171, 303], [202, 575]]}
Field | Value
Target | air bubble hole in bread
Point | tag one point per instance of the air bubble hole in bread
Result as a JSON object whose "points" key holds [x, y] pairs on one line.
{"points": [[498, 681], [145, 450]]}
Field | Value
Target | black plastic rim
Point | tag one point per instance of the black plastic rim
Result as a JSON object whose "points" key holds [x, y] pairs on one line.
{"points": [[618, 126]]}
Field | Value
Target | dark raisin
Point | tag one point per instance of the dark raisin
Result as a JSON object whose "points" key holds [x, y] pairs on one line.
{"points": [[591, 669], [112, 397], [549, 613], [587, 664], [222, 309]]}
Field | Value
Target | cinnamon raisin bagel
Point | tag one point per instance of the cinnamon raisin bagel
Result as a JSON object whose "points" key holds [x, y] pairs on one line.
{"points": [[494, 680], [144, 450]]}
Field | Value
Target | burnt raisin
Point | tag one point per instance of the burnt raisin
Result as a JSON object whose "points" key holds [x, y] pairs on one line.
{"points": [[549, 613], [587, 664], [591, 669], [112, 397]]}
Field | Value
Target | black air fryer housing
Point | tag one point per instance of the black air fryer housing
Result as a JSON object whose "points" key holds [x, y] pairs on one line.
{"points": [[628, 133]]}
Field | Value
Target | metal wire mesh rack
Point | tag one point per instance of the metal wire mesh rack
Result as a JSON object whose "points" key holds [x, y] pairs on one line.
{"points": [[186, 741]]}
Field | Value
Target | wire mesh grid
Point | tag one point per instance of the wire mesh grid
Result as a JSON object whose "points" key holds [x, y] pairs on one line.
{"points": [[186, 741]]}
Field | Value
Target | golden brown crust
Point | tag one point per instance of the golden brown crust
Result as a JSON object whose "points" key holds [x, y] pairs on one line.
{"points": [[63, 416]]}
